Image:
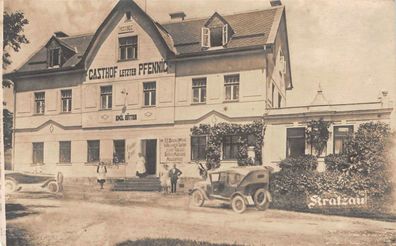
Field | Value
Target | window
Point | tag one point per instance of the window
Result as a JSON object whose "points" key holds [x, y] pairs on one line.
{"points": [[231, 145], [214, 36], [279, 100], [231, 84], [295, 145], [93, 150], [39, 100], [128, 48], [54, 57], [119, 151], [106, 96], [341, 134], [38, 153], [198, 147], [64, 152], [149, 93], [199, 90], [66, 97]]}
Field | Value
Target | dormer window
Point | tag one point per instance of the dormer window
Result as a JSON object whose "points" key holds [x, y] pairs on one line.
{"points": [[54, 57], [215, 36]]}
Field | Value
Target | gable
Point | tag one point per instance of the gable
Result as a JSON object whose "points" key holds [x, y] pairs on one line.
{"points": [[130, 49], [141, 24]]}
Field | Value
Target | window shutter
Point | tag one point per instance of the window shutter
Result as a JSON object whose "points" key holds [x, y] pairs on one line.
{"points": [[225, 34], [205, 37]]}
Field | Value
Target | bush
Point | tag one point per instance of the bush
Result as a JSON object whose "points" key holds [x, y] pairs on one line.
{"points": [[336, 162], [300, 163], [363, 171]]}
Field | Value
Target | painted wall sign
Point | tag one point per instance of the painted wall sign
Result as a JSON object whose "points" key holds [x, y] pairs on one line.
{"points": [[123, 117], [146, 68], [336, 201], [173, 150]]}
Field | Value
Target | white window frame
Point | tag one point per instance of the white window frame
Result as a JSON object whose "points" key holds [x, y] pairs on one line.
{"points": [[225, 34], [199, 87], [51, 57], [66, 99], [232, 85], [126, 46], [39, 103], [205, 37], [150, 92], [108, 96]]}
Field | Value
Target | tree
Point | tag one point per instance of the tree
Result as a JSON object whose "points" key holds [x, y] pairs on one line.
{"points": [[13, 36]]}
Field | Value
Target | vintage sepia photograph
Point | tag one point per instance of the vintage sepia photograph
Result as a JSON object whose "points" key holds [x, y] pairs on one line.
{"points": [[198, 123]]}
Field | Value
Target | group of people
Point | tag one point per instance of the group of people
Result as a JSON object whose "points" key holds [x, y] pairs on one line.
{"points": [[168, 178]]}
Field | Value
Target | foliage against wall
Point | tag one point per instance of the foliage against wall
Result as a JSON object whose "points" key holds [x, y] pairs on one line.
{"points": [[216, 133], [317, 134]]}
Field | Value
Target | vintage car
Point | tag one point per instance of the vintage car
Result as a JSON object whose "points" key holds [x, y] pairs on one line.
{"points": [[16, 181], [241, 186]]}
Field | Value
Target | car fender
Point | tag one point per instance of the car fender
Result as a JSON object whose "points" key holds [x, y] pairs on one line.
{"points": [[201, 190], [47, 182], [243, 196]]}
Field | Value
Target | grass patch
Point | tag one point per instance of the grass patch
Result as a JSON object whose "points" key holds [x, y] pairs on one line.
{"points": [[168, 242]]}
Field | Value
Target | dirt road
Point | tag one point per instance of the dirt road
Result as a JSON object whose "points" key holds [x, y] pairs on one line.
{"points": [[49, 221]]}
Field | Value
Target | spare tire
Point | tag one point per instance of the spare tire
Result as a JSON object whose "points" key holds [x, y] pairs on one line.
{"points": [[261, 199]]}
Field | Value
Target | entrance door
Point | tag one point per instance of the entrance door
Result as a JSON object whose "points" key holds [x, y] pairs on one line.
{"points": [[151, 156]]}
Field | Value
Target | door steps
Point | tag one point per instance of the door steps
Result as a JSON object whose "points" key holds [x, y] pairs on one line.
{"points": [[137, 184]]}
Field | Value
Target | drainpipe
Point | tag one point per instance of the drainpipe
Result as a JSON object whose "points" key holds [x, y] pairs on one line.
{"points": [[13, 122]]}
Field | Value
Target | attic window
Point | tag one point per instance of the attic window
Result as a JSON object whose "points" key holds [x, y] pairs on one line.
{"points": [[214, 36], [54, 57]]}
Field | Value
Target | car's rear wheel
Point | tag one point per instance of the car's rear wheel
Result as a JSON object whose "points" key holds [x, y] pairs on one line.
{"points": [[53, 187], [261, 199], [198, 198], [238, 204], [10, 186]]}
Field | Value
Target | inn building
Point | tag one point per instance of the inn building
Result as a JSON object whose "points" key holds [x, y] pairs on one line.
{"points": [[139, 86]]}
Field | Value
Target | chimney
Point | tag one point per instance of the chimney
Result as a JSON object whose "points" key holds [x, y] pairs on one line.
{"points": [[60, 34], [275, 3], [177, 16]]}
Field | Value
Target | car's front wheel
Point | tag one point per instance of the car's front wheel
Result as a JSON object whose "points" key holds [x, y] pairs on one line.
{"points": [[198, 198], [238, 204], [53, 187], [10, 186], [261, 199]]}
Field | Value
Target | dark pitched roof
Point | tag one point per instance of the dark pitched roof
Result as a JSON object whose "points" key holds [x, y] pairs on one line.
{"points": [[39, 60], [250, 29]]}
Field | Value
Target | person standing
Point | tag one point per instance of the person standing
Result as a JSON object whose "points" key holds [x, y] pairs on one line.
{"points": [[174, 175], [164, 178], [141, 166], [101, 172]]}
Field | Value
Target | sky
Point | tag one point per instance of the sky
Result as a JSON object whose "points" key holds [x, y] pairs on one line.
{"points": [[348, 47]]}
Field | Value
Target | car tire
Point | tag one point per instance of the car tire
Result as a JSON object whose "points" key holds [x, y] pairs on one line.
{"points": [[238, 204], [198, 198], [53, 187], [261, 199], [10, 185]]}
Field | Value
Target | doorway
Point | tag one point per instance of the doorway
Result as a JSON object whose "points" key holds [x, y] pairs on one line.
{"points": [[150, 153]]}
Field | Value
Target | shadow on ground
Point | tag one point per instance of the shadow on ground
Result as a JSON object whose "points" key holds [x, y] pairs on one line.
{"points": [[17, 236], [16, 210], [167, 242]]}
